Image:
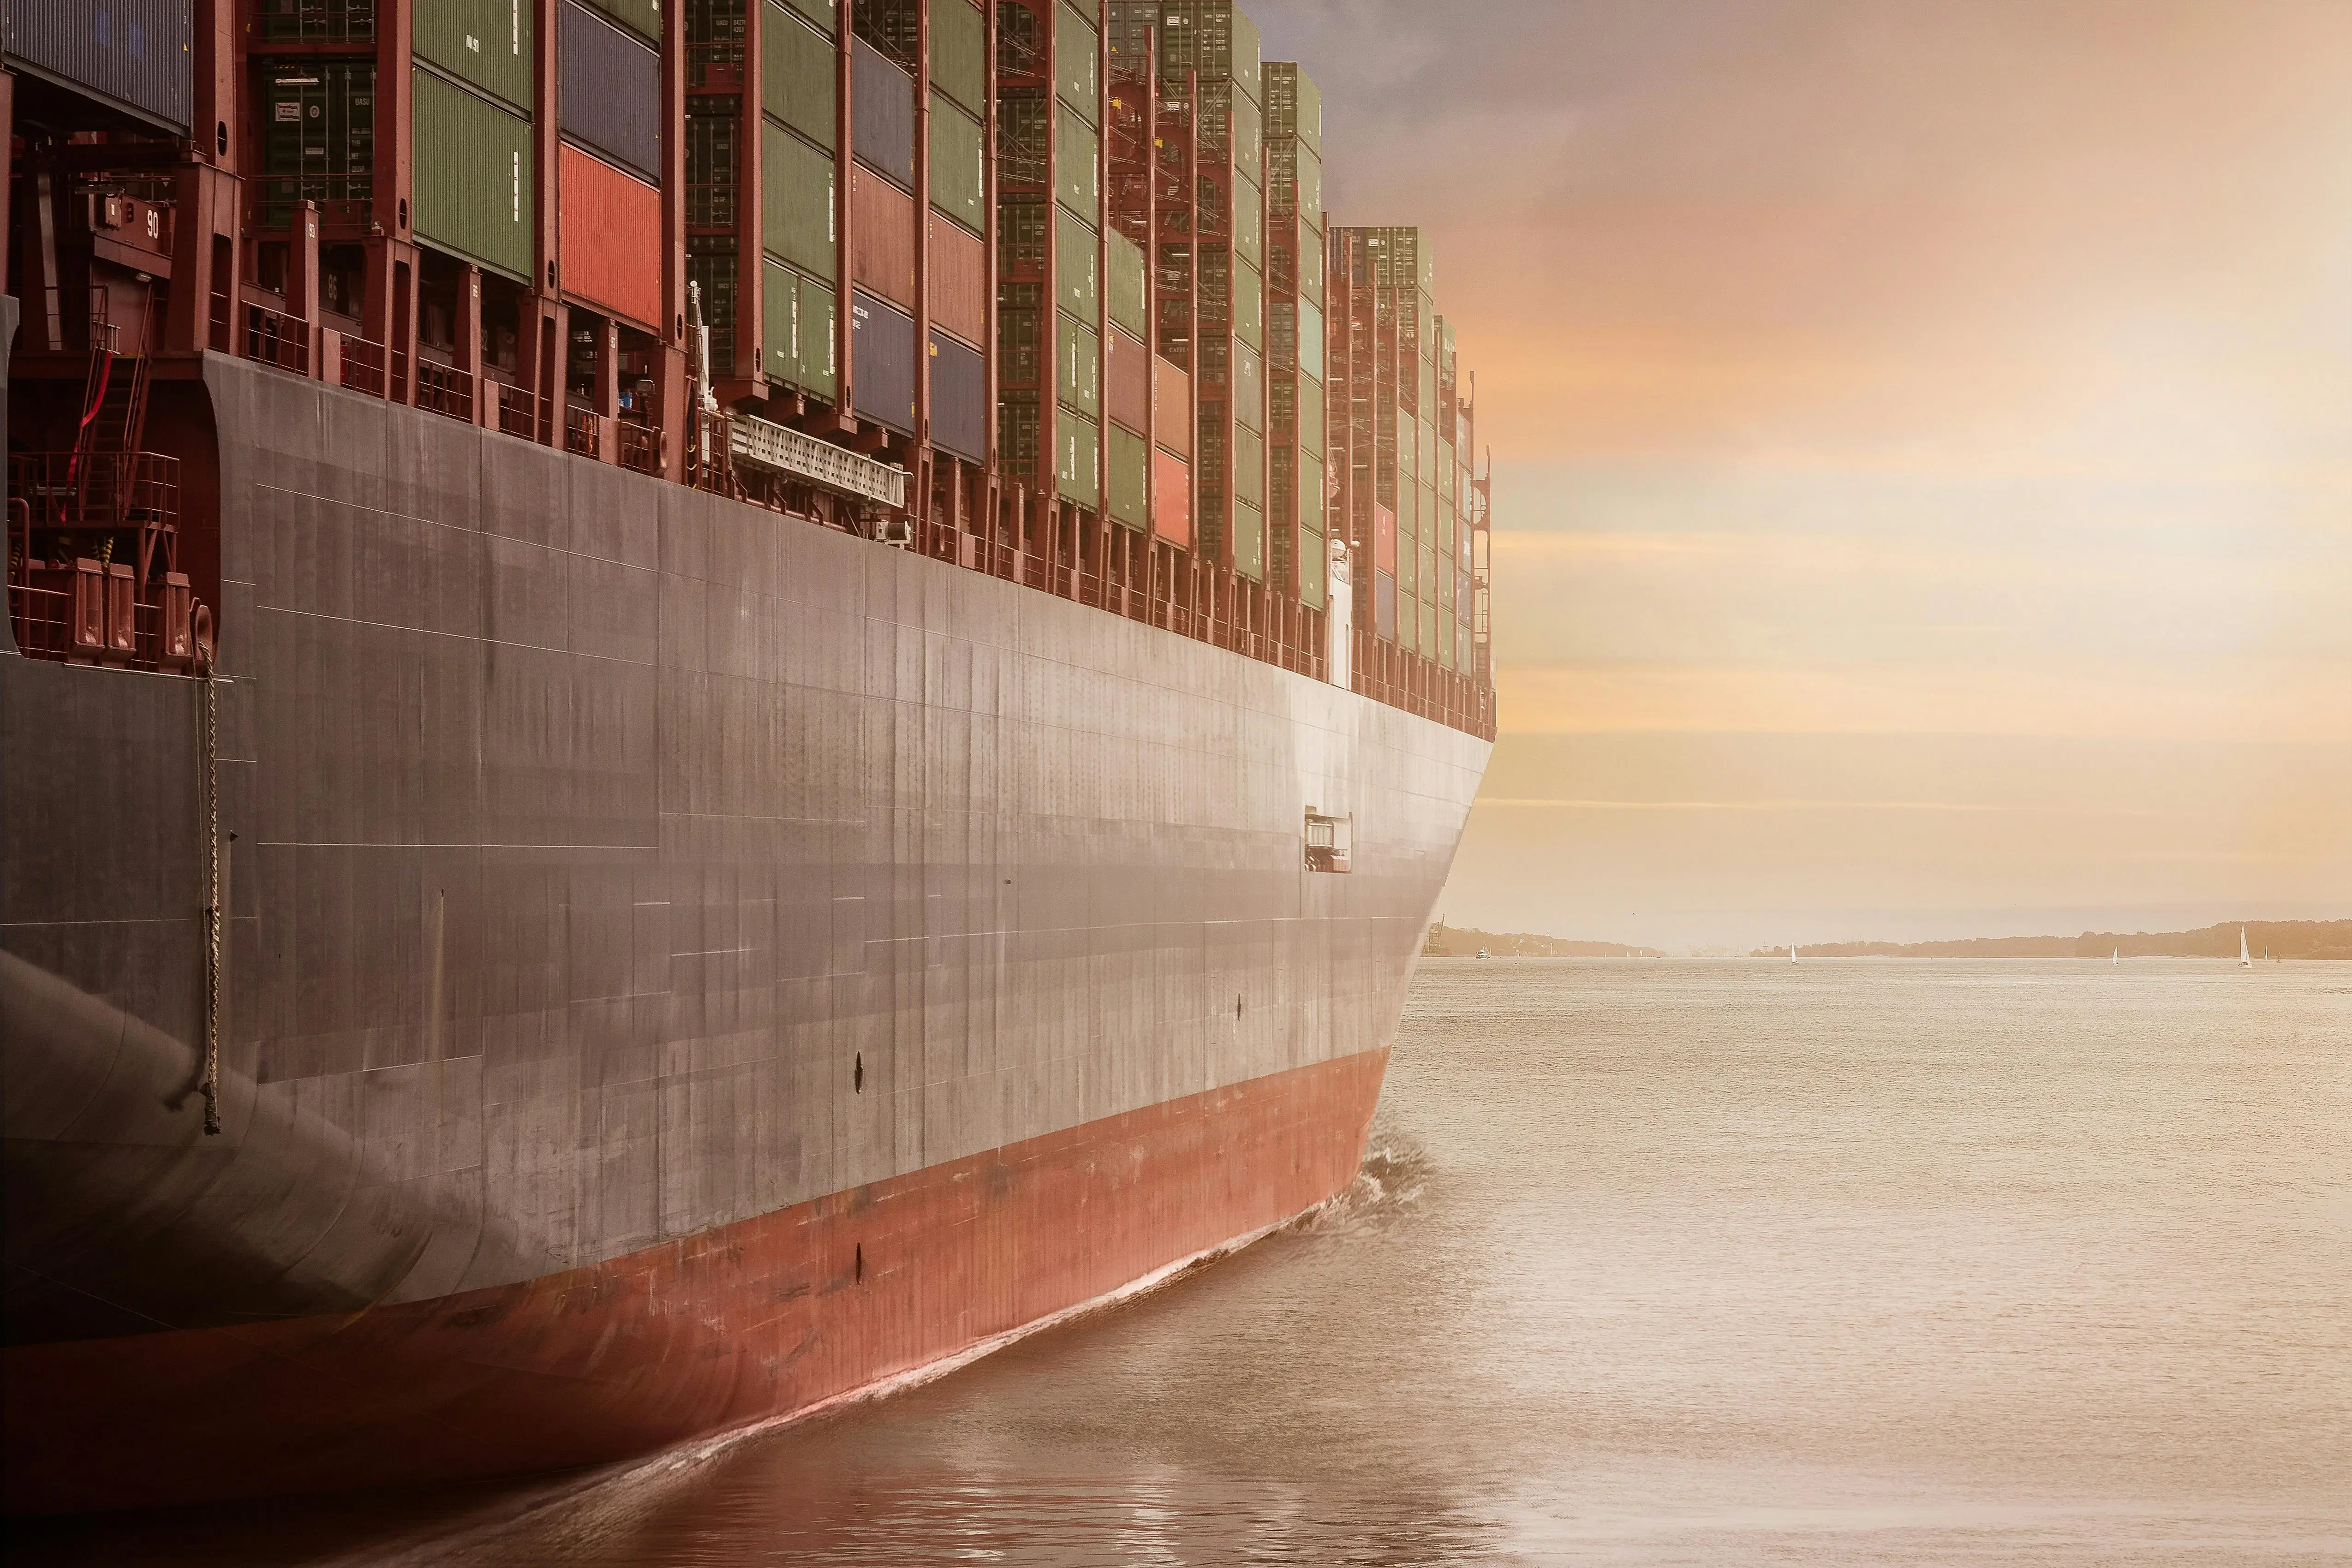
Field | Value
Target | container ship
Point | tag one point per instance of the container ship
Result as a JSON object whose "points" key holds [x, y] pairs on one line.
{"points": [[703, 704]]}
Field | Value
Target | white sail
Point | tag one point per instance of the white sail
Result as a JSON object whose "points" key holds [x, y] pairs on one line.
{"points": [[1793, 952], [2244, 962], [2119, 956]]}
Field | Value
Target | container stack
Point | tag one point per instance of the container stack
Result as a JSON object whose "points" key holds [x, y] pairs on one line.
{"points": [[1294, 354]]}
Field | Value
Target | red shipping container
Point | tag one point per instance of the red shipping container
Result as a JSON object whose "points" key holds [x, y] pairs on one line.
{"points": [[610, 228], [1384, 539], [881, 237], [1126, 380], [1172, 399], [1171, 497], [959, 268]]}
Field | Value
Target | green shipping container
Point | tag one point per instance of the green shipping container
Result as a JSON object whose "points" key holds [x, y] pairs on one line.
{"points": [[1249, 141], [643, 17], [1249, 465], [1310, 431], [1310, 491], [1249, 223], [1408, 451], [958, 180], [820, 12], [1127, 465], [1076, 267], [959, 53], [485, 42], [1078, 354], [1077, 458], [474, 191], [1249, 542], [1314, 569], [1294, 104], [1249, 306], [1076, 75], [1248, 386], [799, 82], [1077, 178], [1131, 290], [1427, 466], [1445, 467], [800, 319], [796, 198]]}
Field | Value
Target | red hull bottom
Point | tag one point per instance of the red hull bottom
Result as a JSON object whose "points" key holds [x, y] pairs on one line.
{"points": [[754, 1320]]}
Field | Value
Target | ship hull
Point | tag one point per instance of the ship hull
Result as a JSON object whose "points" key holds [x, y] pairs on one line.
{"points": [[683, 963]]}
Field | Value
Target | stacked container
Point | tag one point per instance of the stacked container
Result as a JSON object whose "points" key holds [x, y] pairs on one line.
{"points": [[799, 195], [1294, 331]]}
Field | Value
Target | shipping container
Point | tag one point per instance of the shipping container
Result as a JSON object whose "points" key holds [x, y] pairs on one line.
{"points": [[1076, 266], [1294, 104], [1127, 470], [1384, 606], [643, 17], [1249, 306], [881, 113], [609, 90], [1076, 67], [1078, 173], [1249, 467], [1130, 289], [473, 174], [800, 84], [1249, 139], [882, 369], [487, 43], [1078, 359], [820, 324], [1249, 541], [1126, 380], [1249, 222], [958, 165], [1172, 412], [958, 398], [797, 202], [1213, 38], [957, 261], [1427, 641], [1171, 497], [131, 53], [1384, 541], [881, 237], [959, 53], [1399, 258], [1078, 464], [317, 136], [1248, 388], [606, 222], [821, 13]]}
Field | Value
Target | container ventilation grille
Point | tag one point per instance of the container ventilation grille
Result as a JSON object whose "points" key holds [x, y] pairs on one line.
{"points": [[773, 446]]}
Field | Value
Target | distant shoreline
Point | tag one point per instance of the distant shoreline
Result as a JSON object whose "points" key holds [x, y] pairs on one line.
{"points": [[2282, 939]]}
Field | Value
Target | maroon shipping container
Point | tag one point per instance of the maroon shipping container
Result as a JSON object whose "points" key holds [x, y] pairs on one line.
{"points": [[881, 237], [881, 112], [1127, 380], [1384, 539], [1171, 396], [958, 398], [1171, 497], [882, 363], [958, 267]]}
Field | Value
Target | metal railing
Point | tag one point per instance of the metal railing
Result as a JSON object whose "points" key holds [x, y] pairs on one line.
{"points": [[274, 337], [518, 410], [640, 447], [583, 431], [444, 390], [95, 490], [364, 365]]}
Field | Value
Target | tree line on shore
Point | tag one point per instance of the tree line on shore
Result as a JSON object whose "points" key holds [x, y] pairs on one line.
{"points": [[2278, 938]]}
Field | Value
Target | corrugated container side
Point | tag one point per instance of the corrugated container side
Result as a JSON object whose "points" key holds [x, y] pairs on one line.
{"points": [[1311, 495], [798, 84], [959, 53], [796, 203], [608, 228], [610, 92], [820, 319], [881, 237], [1314, 569], [1384, 540], [133, 52], [1129, 289], [820, 13], [959, 268], [1126, 467], [958, 169], [1249, 467], [1171, 396], [958, 398], [1248, 387], [1249, 139], [1294, 104], [643, 17], [1384, 606], [1249, 541], [473, 176], [1076, 266], [1078, 172], [1074, 46], [1313, 351], [1427, 641], [1078, 356], [1126, 378], [882, 376], [1249, 306], [1408, 564], [881, 112], [779, 320], [1311, 416], [485, 42], [1171, 499], [1078, 467]]}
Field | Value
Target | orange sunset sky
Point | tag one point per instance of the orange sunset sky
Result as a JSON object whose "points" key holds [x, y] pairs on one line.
{"points": [[1923, 449]]}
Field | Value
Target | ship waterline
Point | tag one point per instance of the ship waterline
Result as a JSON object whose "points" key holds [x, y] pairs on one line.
{"points": [[683, 963]]}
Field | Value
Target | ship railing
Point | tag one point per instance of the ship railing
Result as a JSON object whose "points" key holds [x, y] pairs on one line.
{"points": [[517, 410], [357, 364], [640, 446], [583, 431], [96, 490], [444, 390], [274, 337]]}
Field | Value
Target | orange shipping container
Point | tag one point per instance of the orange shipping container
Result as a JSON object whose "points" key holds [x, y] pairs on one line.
{"points": [[609, 234], [881, 237], [1172, 399], [1171, 497], [958, 267], [1127, 380]]}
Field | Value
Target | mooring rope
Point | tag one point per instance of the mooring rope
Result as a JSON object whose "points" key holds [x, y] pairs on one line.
{"points": [[209, 724]]}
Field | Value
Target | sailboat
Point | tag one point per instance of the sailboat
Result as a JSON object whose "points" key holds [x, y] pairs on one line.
{"points": [[2244, 960], [1793, 952], [2119, 956]]}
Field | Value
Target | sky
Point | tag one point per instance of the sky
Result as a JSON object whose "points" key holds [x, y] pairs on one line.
{"points": [[1922, 445]]}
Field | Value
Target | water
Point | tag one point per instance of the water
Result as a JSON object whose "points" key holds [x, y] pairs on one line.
{"points": [[1652, 1262]]}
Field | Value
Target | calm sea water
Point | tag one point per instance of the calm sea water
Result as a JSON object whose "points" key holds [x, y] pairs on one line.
{"points": [[1652, 1262]]}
